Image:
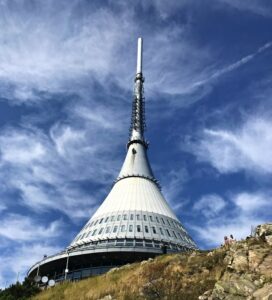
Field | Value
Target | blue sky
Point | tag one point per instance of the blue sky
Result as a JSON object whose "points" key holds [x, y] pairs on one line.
{"points": [[66, 80]]}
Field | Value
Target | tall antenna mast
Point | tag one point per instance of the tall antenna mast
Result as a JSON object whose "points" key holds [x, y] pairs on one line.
{"points": [[139, 56], [138, 117]]}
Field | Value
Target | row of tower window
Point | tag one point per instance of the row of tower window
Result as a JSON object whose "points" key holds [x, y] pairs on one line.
{"points": [[126, 217], [128, 242], [139, 229]]}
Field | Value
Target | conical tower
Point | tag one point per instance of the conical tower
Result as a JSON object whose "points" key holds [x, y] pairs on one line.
{"points": [[134, 222]]}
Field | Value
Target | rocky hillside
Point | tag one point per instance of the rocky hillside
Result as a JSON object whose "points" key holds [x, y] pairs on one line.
{"points": [[241, 271]]}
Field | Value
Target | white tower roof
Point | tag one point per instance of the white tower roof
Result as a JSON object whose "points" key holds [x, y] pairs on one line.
{"points": [[135, 207]]}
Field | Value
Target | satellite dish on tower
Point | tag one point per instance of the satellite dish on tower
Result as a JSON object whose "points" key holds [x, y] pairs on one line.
{"points": [[51, 282], [37, 278], [44, 279]]}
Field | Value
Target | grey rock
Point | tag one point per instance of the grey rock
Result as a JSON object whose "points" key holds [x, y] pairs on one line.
{"points": [[264, 293]]}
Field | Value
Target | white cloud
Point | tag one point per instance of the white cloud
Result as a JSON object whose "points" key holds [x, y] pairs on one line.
{"points": [[21, 149], [247, 210], [172, 186], [47, 170], [22, 228], [19, 260], [2, 207], [247, 147], [212, 233], [65, 51], [66, 138], [252, 203], [262, 8], [49, 49], [232, 67], [210, 205]]}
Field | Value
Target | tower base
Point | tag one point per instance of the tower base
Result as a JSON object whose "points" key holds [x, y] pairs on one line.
{"points": [[85, 261]]}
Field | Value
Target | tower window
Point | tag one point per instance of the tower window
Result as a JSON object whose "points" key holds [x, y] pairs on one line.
{"points": [[119, 218], [161, 231], [131, 217], [129, 242], [112, 218], [174, 234], [163, 221], [146, 229], [100, 231], [138, 228], [168, 232], [94, 232], [144, 217], [115, 229], [151, 218], [123, 228], [138, 217], [106, 220], [125, 217], [130, 228], [101, 221], [95, 222], [154, 229], [108, 229], [168, 222], [157, 219], [148, 244], [139, 243]]}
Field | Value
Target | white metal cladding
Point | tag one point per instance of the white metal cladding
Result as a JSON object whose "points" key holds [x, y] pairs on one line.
{"points": [[135, 193], [139, 225], [136, 162]]}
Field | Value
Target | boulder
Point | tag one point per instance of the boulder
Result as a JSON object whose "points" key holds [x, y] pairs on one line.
{"points": [[263, 230], [255, 257], [265, 268], [239, 262], [264, 293], [268, 239], [237, 288]]}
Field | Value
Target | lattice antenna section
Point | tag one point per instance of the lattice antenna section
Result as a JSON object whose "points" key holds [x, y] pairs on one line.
{"points": [[138, 123]]}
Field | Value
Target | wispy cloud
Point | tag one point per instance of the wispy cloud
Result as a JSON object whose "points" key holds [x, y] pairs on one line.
{"points": [[50, 50], [251, 204], [243, 211], [262, 8], [232, 67], [44, 168], [22, 228], [18, 260], [210, 205], [24, 241], [246, 147], [173, 184], [66, 52]]}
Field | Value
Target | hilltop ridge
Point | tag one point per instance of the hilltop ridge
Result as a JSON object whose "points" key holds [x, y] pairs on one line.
{"points": [[241, 271]]}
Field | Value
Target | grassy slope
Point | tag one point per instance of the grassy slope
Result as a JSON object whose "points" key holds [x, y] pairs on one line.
{"points": [[178, 276]]}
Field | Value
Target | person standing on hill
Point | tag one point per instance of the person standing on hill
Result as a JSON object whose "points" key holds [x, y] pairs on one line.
{"points": [[231, 239], [226, 241]]}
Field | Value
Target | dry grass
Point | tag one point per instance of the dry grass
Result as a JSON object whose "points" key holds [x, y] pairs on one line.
{"points": [[178, 276]]}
